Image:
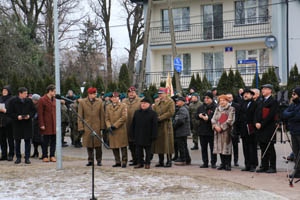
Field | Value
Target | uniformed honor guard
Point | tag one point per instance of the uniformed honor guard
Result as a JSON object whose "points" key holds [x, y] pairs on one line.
{"points": [[115, 119]]}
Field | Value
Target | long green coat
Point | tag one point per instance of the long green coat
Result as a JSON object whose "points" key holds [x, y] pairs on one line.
{"points": [[132, 106], [116, 116], [93, 114], [164, 144], [193, 110]]}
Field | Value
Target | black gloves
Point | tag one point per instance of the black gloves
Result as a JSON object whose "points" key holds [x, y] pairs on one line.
{"points": [[81, 133], [113, 128]]}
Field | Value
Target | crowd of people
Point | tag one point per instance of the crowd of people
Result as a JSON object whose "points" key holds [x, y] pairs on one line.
{"points": [[147, 128]]}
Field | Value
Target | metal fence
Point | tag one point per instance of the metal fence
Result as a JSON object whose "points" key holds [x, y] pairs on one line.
{"points": [[212, 75], [227, 29]]}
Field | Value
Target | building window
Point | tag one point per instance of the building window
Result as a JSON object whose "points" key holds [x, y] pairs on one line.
{"points": [[168, 63], [214, 66], [261, 55], [181, 17], [212, 21], [251, 11]]}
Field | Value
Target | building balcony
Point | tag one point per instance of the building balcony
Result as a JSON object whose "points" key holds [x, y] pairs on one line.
{"points": [[212, 75], [202, 32]]}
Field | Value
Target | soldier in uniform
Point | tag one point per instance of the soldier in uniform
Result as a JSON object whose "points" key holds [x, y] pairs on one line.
{"points": [[115, 120], [75, 135], [165, 109], [133, 103], [91, 109], [194, 105], [64, 123]]}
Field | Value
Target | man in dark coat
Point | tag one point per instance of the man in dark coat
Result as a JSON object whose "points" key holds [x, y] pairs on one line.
{"points": [[236, 129], [292, 114], [6, 132], [248, 134], [144, 129], [182, 129], [204, 115], [47, 122], [265, 123], [22, 110]]}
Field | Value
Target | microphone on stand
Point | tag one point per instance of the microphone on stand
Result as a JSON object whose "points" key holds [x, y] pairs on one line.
{"points": [[69, 101]]}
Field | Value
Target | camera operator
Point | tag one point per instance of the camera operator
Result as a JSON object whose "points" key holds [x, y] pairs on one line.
{"points": [[292, 114]]}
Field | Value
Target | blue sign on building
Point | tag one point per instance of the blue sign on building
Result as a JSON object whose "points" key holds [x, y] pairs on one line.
{"points": [[177, 64], [228, 49]]}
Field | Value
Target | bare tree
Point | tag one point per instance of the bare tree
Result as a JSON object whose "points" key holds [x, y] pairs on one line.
{"points": [[102, 10], [135, 27], [26, 12]]}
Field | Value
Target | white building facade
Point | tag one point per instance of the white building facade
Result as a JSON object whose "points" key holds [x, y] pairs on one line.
{"points": [[213, 35]]}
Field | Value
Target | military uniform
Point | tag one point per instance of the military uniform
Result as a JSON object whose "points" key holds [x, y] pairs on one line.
{"points": [[194, 122], [132, 106], [165, 109], [115, 118], [93, 113], [75, 135]]}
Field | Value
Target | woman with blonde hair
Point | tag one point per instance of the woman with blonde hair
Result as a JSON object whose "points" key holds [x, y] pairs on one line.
{"points": [[222, 123]]}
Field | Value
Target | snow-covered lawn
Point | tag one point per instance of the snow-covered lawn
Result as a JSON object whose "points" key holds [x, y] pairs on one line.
{"points": [[43, 181]]}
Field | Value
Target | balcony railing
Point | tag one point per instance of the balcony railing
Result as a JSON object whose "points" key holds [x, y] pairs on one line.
{"points": [[228, 29], [212, 75]]}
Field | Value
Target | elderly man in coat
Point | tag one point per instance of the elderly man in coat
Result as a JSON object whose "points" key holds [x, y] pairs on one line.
{"points": [[47, 122], [91, 110], [133, 103], [165, 109], [265, 123], [22, 110], [115, 120], [182, 129]]}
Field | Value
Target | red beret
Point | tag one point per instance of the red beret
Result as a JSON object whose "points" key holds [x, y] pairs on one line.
{"points": [[92, 90], [131, 89], [115, 94]]}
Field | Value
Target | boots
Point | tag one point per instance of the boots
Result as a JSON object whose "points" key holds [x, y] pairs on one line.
{"points": [[195, 147], [36, 152], [222, 166], [227, 163], [169, 161], [161, 160]]}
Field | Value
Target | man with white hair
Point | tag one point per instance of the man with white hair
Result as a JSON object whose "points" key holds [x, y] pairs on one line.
{"points": [[256, 96]]}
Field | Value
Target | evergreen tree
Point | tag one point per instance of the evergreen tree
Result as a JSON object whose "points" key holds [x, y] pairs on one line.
{"points": [[149, 93], [193, 82], [223, 85], [273, 79], [15, 83], [163, 84], [112, 87], [174, 83], [124, 79], [99, 84], [294, 80], [254, 82], [198, 85], [238, 81], [231, 80], [205, 85]]}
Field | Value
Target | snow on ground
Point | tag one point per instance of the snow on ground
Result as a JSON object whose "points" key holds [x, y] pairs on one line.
{"points": [[43, 181]]}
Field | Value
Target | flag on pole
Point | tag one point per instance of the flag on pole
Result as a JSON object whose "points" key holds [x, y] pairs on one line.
{"points": [[169, 86]]}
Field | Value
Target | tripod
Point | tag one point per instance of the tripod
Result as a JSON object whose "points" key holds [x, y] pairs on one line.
{"points": [[93, 135]]}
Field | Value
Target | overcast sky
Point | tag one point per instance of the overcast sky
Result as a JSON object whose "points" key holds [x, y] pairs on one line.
{"points": [[119, 34]]}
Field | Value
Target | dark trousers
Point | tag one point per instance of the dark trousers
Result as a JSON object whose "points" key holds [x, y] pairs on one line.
{"points": [[132, 148], [296, 150], [183, 149], [27, 148], [117, 155], [235, 145], [140, 154], [6, 136], [204, 142], [269, 160], [49, 139], [250, 152], [91, 154]]}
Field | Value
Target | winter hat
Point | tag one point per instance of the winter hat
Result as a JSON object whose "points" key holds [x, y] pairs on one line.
{"points": [[297, 91], [35, 97], [270, 86], [92, 90], [180, 99], [7, 87], [146, 100], [209, 94], [247, 90]]}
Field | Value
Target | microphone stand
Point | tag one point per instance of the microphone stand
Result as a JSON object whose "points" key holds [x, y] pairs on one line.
{"points": [[93, 135]]}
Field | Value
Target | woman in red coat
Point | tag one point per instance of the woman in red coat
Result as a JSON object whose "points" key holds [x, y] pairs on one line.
{"points": [[47, 122]]}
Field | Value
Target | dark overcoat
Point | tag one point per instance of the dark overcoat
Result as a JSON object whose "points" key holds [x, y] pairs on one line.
{"points": [[144, 127], [182, 122], [22, 129]]}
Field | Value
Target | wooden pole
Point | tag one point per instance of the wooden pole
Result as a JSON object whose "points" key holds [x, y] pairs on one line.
{"points": [[174, 51], [141, 78]]}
